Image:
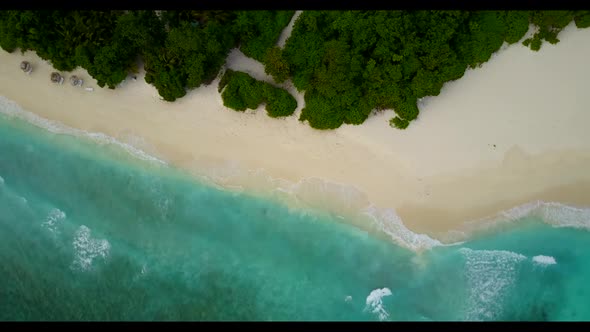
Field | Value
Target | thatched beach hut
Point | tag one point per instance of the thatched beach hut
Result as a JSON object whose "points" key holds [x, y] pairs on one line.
{"points": [[76, 81], [57, 78], [26, 67]]}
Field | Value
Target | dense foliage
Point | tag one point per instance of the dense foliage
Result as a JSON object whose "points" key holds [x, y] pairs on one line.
{"points": [[275, 64], [259, 30], [399, 123], [240, 91], [180, 49], [348, 63]]}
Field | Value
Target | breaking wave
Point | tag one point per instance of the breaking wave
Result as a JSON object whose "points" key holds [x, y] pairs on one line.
{"points": [[374, 302], [544, 260], [490, 274], [552, 213], [556, 214], [391, 224], [320, 194], [86, 249]]}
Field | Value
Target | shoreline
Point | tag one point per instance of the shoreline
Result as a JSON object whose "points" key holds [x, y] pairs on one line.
{"points": [[453, 165]]}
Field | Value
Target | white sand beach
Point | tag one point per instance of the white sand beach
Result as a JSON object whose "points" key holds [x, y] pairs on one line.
{"points": [[510, 132]]}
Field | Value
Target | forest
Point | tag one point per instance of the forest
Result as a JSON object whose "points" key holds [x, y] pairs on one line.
{"points": [[348, 64]]}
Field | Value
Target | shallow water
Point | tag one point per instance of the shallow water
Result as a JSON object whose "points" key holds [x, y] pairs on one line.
{"points": [[90, 232]]}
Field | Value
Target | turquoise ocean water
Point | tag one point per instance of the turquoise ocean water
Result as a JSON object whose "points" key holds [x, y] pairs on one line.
{"points": [[90, 232]]}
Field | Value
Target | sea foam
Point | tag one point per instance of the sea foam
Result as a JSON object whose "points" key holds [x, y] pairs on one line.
{"points": [[87, 249], [556, 214], [12, 109], [490, 274], [53, 220], [350, 199], [391, 224], [552, 213], [374, 302], [544, 260]]}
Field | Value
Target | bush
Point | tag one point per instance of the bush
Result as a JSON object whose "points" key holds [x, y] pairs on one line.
{"points": [[275, 65], [407, 110], [399, 123], [536, 44], [225, 78], [232, 98], [320, 112], [241, 91], [582, 19], [244, 90], [527, 42], [357, 114], [279, 102]]}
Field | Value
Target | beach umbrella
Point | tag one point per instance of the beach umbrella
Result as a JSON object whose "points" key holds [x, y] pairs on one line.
{"points": [[57, 78], [76, 81], [26, 67]]}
